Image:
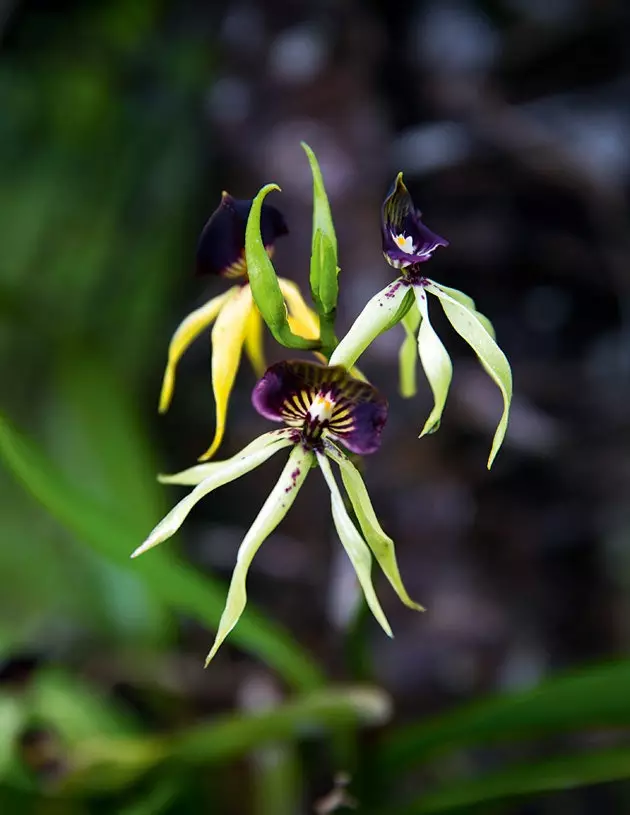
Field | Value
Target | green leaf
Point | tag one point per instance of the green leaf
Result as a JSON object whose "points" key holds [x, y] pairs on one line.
{"points": [[595, 697], [177, 585], [109, 763], [555, 774], [274, 509], [230, 736], [324, 269], [466, 322], [435, 361], [354, 545], [382, 545], [264, 282], [408, 354]]}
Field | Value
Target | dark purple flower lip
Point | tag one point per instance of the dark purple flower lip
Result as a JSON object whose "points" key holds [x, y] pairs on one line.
{"points": [[221, 246], [322, 401], [406, 240]]}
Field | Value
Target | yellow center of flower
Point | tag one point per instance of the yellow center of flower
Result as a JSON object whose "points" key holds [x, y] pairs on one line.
{"points": [[405, 243]]}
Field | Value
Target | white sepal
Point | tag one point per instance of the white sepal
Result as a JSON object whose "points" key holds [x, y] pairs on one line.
{"points": [[468, 325], [435, 361], [225, 472], [373, 320], [380, 543], [273, 511], [354, 544], [195, 475]]}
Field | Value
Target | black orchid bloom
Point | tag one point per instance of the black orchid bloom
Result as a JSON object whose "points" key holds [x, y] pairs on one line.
{"points": [[406, 240], [221, 246], [325, 410]]}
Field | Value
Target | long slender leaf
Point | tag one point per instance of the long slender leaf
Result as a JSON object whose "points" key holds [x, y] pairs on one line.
{"points": [[564, 773], [178, 586], [591, 698]]}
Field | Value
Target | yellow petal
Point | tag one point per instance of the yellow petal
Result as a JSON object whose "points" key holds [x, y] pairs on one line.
{"points": [[187, 331], [254, 342], [302, 319], [228, 336]]}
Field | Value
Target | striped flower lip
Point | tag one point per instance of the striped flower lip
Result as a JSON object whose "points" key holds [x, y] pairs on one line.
{"points": [[406, 240], [221, 247], [322, 402]]}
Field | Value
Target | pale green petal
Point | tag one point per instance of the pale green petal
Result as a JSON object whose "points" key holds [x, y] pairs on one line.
{"points": [[225, 472], [354, 544], [408, 355], [273, 511], [467, 301], [195, 475], [469, 327], [435, 361], [380, 313], [381, 544]]}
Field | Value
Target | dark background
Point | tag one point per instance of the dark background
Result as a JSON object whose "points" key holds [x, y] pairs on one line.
{"points": [[120, 124]]}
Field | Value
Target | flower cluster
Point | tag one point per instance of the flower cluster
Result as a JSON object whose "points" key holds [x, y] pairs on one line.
{"points": [[328, 409]]}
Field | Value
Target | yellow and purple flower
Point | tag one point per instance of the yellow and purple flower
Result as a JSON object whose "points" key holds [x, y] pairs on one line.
{"points": [[326, 411], [407, 245], [237, 320]]}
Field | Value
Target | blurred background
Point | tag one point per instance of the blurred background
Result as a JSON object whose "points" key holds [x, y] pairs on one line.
{"points": [[120, 124]]}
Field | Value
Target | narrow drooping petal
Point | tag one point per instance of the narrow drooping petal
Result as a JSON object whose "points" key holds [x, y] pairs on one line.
{"points": [[273, 511], [254, 346], [382, 545], [302, 319], [408, 354], [353, 543], [188, 331], [278, 439], [221, 247], [225, 471], [435, 361], [380, 313], [228, 336], [467, 324], [469, 303], [406, 240], [322, 400]]}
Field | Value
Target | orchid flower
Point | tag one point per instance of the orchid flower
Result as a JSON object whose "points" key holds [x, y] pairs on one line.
{"points": [[324, 410], [237, 320], [407, 245]]}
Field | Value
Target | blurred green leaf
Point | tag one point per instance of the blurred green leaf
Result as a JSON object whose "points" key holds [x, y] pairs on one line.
{"points": [[73, 709], [551, 775], [597, 697], [106, 763], [311, 714], [175, 584], [264, 282]]}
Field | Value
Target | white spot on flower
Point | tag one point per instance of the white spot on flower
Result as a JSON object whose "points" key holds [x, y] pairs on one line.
{"points": [[404, 242], [322, 407]]}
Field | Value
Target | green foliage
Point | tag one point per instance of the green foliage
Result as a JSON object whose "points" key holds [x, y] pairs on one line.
{"points": [[114, 535]]}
